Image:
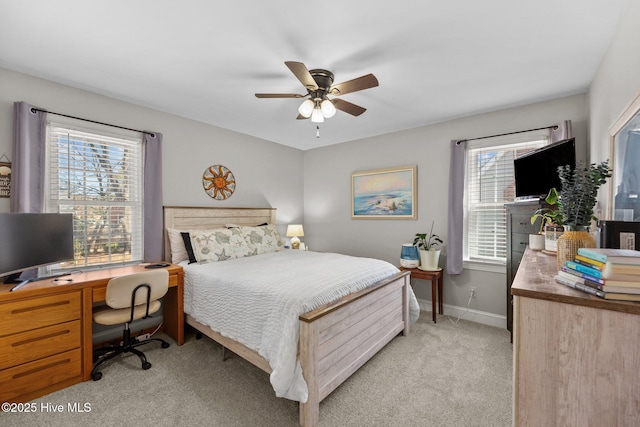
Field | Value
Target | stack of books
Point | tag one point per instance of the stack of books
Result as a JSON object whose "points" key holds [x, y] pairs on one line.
{"points": [[612, 274]]}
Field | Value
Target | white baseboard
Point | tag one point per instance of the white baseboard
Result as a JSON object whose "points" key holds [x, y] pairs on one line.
{"points": [[471, 315]]}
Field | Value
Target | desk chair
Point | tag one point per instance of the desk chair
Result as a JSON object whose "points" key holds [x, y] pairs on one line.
{"points": [[128, 298]]}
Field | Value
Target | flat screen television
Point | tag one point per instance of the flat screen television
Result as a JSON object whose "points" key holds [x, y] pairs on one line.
{"points": [[30, 240], [537, 172]]}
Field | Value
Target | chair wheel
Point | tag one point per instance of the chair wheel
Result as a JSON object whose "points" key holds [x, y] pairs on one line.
{"points": [[96, 376], [165, 345], [146, 365]]}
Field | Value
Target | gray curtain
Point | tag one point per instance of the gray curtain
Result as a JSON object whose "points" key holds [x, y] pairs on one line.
{"points": [[153, 221], [560, 131], [28, 167], [455, 227]]}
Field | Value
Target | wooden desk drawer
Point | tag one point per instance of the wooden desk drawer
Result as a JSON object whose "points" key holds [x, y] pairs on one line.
{"points": [[35, 313], [33, 376], [39, 343]]}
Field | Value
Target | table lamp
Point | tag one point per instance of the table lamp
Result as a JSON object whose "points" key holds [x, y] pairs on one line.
{"points": [[294, 231]]}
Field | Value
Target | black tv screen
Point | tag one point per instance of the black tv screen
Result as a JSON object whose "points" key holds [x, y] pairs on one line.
{"points": [[537, 172], [29, 240]]}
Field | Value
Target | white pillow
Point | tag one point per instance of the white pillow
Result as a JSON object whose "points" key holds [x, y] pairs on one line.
{"points": [[178, 250]]}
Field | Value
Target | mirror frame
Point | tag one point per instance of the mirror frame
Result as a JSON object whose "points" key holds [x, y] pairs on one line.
{"points": [[631, 112]]}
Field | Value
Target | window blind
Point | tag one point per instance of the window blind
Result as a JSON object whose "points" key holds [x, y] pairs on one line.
{"points": [[97, 177], [490, 184]]}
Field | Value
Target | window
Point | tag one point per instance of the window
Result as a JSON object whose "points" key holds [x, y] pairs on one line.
{"points": [[96, 175], [489, 184]]}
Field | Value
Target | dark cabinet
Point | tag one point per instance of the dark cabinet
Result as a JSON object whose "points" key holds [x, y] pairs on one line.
{"points": [[518, 229]]}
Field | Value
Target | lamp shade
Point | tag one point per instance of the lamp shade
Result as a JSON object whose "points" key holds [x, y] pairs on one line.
{"points": [[295, 230], [328, 109], [317, 116], [306, 108]]}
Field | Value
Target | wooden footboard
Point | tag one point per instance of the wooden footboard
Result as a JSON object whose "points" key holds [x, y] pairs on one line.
{"points": [[337, 339]]}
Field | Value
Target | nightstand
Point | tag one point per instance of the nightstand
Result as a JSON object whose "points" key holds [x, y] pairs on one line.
{"points": [[435, 277]]}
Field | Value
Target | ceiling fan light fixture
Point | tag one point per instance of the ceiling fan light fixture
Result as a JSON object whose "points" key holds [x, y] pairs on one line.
{"points": [[306, 108], [317, 116], [328, 109]]}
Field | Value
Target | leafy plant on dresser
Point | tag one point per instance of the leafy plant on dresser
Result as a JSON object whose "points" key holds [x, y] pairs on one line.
{"points": [[579, 190], [427, 241]]}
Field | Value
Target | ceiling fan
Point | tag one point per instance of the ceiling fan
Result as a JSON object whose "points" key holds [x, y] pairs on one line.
{"points": [[319, 84]]}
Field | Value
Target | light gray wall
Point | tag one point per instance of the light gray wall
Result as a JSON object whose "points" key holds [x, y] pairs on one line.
{"points": [[266, 173], [615, 86], [327, 193]]}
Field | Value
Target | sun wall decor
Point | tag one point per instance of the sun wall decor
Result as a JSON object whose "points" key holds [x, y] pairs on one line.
{"points": [[218, 182]]}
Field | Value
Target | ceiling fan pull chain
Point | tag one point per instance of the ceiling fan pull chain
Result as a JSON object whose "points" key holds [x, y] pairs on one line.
{"points": [[317, 131]]}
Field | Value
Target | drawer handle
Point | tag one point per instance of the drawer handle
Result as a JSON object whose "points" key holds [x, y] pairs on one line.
{"points": [[40, 307], [43, 337], [42, 368]]}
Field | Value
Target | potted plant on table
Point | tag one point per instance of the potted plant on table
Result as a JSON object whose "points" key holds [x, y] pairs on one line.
{"points": [[550, 221], [427, 248], [578, 194]]}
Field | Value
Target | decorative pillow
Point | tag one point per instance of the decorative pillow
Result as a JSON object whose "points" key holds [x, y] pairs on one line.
{"points": [[263, 238], [187, 244], [178, 249], [218, 244]]}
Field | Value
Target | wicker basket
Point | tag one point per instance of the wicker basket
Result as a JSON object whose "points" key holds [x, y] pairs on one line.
{"points": [[570, 241]]}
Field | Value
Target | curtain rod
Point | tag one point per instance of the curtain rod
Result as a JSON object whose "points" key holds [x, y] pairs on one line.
{"points": [[554, 127], [92, 121]]}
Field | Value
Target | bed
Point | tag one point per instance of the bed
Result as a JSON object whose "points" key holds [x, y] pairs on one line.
{"points": [[344, 329]]}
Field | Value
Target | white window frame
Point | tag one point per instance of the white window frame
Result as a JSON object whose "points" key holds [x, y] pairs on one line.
{"points": [[134, 205], [534, 139]]}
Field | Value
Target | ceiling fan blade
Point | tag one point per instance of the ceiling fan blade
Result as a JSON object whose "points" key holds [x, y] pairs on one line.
{"points": [[360, 83], [279, 95], [303, 74], [348, 107], [301, 117]]}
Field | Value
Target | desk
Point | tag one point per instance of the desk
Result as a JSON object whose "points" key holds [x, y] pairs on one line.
{"points": [[435, 277], [46, 330]]}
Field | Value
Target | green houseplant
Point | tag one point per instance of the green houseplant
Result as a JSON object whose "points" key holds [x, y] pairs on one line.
{"points": [[578, 194], [427, 244], [550, 222]]}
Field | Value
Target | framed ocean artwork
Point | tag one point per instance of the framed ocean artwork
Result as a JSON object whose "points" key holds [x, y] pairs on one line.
{"points": [[384, 193]]}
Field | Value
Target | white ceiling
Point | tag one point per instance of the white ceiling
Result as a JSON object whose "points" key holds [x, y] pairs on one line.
{"points": [[435, 60]]}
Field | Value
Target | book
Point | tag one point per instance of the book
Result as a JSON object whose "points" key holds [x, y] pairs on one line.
{"points": [[613, 270], [579, 286], [616, 296], [583, 269], [599, 285], [621, 256], [612, 288], [579, 274], [621, 280], [589, 262]]}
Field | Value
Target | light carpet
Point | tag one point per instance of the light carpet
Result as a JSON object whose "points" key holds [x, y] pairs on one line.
{"points": [[444, 374]]}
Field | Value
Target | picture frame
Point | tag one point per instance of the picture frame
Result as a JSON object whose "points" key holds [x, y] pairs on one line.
{"points": [[389, 193], [624, 160]]}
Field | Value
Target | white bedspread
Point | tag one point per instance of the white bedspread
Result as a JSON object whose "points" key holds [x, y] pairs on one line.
{"points": [[257, 300]]}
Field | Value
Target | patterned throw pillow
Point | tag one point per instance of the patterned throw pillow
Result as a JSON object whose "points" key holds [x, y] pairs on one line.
{"points": [[263, 239], [219, 244]]}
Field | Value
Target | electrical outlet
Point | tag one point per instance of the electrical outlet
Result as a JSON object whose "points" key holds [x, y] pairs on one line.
{"points": [[472, 292]]}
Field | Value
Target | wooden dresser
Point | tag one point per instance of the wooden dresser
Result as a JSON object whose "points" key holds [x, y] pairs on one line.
{"points": [[46, 330], [576, 357]]}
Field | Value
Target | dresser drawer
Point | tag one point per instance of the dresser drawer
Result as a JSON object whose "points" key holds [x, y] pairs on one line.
{"points": [[521, 223], [33, 376], [39, 343], [519, 242], [35, 313]]}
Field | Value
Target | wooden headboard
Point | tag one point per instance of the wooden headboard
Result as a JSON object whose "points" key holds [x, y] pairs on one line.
{"points": [[202, 218]]}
